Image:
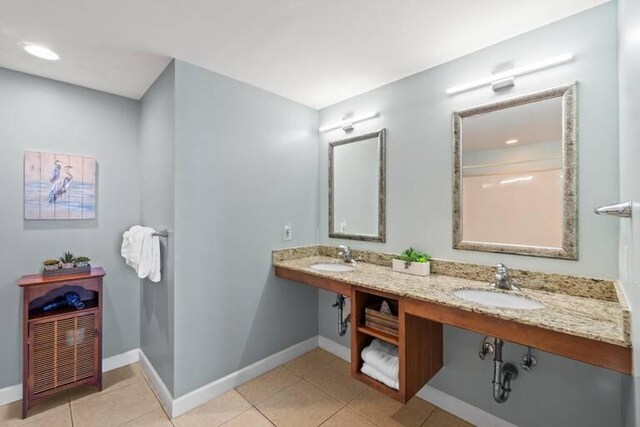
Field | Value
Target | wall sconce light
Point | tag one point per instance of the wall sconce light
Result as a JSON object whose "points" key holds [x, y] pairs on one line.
{"points": [[507, 78], [347, 122]]}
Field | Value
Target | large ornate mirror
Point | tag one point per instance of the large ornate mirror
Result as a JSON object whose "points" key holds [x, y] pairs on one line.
{"points": [[357, 187], [515, 175]]}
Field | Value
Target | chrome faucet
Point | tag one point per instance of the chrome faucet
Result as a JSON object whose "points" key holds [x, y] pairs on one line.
{"points": [[503, 280], [345, 253]]}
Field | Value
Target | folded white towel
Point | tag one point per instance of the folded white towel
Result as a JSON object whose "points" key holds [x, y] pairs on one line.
{"points": [[383, 357], [141, 251], [379, 376]]}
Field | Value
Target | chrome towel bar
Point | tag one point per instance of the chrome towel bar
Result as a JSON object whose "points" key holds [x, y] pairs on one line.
{"points": [[162, 233], [621, 210]]}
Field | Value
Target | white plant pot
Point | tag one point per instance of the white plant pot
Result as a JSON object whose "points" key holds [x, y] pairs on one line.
{"points": [[67, 265], [415, 268]]}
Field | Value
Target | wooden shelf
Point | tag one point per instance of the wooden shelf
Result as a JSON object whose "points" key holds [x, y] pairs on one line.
{"points": [[88, 305], [384, 336], [378, 386]]}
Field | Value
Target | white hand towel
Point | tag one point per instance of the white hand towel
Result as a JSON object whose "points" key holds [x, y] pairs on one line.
{"points": [[383, 357], [372, 372], [141, 251]]}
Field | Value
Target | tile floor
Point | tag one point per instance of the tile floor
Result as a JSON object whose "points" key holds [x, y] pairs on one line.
{"points": [[312, 390]]}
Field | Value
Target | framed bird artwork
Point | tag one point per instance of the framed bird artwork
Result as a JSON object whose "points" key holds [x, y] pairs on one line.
{"points": [[59, 186]]}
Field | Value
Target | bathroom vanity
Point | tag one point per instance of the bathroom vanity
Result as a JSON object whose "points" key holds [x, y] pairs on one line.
{"points": [[579, 318]]}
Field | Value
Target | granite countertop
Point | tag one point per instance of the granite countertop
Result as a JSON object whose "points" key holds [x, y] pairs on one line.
{"points": [[592, 318]]}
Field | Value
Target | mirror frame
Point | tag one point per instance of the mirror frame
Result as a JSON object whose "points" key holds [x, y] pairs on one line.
{"points": [[569, 249], [381, 237]]}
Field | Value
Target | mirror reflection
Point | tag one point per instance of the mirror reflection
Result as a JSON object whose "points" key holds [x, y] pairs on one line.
{"points": [[512, 175], [356, 190], [514, 194]]}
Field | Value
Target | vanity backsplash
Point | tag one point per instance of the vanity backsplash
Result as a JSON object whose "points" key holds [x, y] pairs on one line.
{"points": [[585, 287]]}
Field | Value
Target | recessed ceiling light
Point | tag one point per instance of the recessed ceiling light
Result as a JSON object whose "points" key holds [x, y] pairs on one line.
{"points": [[511, 141], [41, 52]]}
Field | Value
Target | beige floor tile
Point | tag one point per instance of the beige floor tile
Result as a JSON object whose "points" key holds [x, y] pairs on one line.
{"points": [[59, 417], [215, 412], [155, 418], [335, 378], [441, 418], [299, 405], [310, 361], [347, 417], [11, 414], [267, 385], [115, 407], [384, 411], [111, 380], [250, 418]]}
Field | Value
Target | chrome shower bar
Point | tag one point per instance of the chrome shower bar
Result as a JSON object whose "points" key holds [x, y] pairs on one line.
{"points": [[621, 210]]}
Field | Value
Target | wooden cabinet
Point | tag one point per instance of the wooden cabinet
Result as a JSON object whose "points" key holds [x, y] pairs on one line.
{"points": [[419, 342], [62, 347]]}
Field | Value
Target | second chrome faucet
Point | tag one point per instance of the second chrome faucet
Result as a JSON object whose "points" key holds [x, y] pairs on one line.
{"points": [[503, 280]]}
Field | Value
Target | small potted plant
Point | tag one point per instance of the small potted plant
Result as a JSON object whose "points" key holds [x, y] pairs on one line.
{"points": [[67, 260], [51, 264], [82, 261], [413, 262]]}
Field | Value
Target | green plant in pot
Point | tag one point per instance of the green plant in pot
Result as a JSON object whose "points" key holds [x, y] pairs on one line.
{"points": [[414, 262], [67, 260], [82, 261], [51, 264]]}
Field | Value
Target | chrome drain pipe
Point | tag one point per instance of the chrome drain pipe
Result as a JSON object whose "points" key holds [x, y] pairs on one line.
{"points": [[503, 374], [343, 323]]}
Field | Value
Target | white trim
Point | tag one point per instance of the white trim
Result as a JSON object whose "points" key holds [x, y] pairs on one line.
{"points": [[205, 393], [457, 407], [334, 348], [161, 390], [461, 409], [120, 360], [14, 392], [10, 394]]}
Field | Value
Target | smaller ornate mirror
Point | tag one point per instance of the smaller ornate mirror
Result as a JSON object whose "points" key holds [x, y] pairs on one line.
{"points": [[515, 175], [357, 187]]}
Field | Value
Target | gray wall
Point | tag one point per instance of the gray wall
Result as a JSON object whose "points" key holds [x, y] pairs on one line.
{"points": [[43, 115], [157, 147], [417, 114], [629, 70], [246, 163]]}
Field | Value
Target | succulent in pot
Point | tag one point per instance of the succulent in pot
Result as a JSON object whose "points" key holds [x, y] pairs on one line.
{"points": [[413, 262], [67, 260], [82, 261], [51, 264]]}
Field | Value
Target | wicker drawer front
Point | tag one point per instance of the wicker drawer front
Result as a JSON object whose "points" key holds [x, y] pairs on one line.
{"points": [[62, 351]]}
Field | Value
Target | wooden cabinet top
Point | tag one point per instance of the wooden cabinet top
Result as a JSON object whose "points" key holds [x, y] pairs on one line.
{"points": [[37, 279]]}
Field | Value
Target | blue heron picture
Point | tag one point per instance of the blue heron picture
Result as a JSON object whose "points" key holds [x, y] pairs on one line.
{"points": [[59, 186]]}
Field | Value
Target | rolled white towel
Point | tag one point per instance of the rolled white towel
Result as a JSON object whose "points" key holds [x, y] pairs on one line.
{"points": [[372, 372], [383, 357]]}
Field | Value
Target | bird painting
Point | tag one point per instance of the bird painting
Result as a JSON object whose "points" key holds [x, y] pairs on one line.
{"points": [[62, 181], [59, 186]]}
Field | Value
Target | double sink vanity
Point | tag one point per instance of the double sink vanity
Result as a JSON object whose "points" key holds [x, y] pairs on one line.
{"points": [[514, 191], [579, 318]]}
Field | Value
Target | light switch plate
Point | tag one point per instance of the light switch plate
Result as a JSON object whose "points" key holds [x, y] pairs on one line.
{"points": [[287, 232]]}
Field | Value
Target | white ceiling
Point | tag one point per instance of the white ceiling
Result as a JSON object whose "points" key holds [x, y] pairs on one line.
{"points": [[316, 52]]}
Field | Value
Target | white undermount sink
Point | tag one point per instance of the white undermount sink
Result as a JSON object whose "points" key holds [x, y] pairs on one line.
{"points": [[329, 266], [497, 299]]}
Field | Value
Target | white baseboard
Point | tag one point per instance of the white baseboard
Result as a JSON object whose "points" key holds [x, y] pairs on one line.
{"points": [[14, 392], [334, 348], [457, 407], [10, 394], [205, 393], [163, 393], [120, 360]]}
